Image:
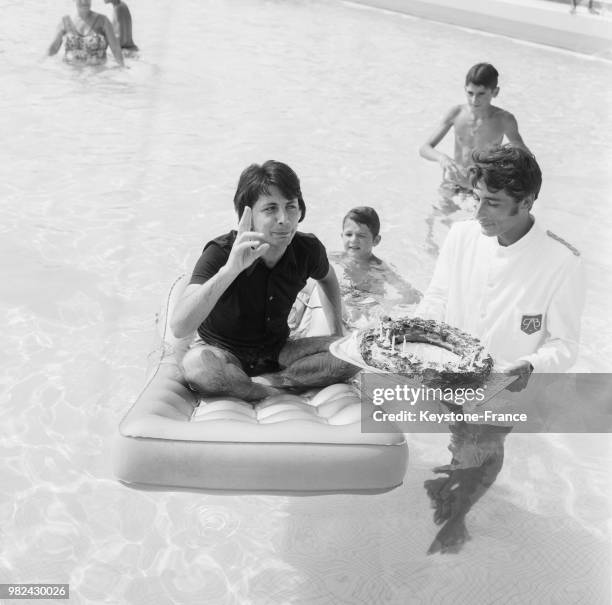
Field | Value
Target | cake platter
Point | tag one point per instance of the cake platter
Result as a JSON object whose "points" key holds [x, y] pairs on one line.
{"points": [[417, 353]]}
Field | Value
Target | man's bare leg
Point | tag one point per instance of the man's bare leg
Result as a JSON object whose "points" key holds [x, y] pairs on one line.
{"points": [[307, 362], [213, 371]]}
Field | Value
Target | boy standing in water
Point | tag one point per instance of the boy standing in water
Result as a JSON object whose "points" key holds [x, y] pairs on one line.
{"points": [[478, 125], [122, 23]]}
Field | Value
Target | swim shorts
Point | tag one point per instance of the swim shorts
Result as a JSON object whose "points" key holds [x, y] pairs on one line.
{"points": [[455, 197], [253, 361]]}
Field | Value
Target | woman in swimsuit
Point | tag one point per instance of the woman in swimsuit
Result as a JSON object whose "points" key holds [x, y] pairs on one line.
{"points": [[87, 36]]}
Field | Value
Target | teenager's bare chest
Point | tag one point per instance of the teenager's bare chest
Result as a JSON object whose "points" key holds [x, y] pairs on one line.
{"points": [[474, 129]]}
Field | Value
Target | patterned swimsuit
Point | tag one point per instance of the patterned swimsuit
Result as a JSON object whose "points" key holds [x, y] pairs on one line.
{"points": [[88, 49]]}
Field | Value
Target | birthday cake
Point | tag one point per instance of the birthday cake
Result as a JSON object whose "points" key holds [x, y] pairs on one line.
{"points": [[385, 347]]}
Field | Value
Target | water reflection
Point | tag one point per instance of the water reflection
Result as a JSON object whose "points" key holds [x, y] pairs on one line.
{"points": [[452, 206]]}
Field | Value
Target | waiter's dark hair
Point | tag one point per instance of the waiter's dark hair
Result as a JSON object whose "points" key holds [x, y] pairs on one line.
{"points": [[507, 168], [256, 180]]}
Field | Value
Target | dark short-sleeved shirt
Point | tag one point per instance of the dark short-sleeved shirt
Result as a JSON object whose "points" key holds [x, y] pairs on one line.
{"points": [[252, 313]]}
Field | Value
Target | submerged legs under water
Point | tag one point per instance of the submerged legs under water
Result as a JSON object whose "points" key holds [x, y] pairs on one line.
{"points": [[478, 456]]}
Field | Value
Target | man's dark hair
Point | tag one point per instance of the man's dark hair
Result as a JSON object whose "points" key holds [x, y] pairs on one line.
{"points": [[507, 168], [482, 74], [256, 180], [364, 215]]}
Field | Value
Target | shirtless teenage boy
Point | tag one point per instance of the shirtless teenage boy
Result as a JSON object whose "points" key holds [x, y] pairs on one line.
{"points": [[478, 125]]}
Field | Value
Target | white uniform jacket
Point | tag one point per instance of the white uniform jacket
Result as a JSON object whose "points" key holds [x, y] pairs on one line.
{"points": [[522, 301]]}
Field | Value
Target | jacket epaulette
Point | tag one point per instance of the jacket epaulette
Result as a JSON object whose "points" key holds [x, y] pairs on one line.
{"points": [[574, 251]]}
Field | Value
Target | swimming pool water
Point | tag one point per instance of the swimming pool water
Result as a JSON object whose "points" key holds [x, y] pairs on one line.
{"points": [[113, 180]]}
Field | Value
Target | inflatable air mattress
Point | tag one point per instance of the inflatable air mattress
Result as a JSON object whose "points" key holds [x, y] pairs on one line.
{"points": [[311, 442]]}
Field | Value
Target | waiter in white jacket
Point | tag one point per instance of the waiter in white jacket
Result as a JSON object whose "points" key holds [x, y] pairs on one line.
{"points": [[504, 278], [518, 288]]}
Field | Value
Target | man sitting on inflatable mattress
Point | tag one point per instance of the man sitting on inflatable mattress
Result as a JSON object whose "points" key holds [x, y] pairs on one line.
{"points": [[242, 290]]}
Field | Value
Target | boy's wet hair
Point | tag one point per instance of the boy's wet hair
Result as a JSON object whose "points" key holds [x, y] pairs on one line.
{"points": [[364, 215], [256, 180], [507, 168], [482, 74]]}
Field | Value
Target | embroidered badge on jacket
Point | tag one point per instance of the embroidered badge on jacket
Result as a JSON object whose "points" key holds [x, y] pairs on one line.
{"points": [[531, 323]]}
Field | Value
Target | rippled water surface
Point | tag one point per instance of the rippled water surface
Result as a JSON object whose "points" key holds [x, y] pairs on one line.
{"points": [[112, 180]]}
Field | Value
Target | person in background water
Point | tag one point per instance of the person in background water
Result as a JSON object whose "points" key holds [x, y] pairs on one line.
{"points": [[575, 5], [86, 37], [368, 285], [122, 22], [478, 125]]}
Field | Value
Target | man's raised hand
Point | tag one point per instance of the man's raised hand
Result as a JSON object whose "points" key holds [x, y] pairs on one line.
{"points": [[248, 246]]}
